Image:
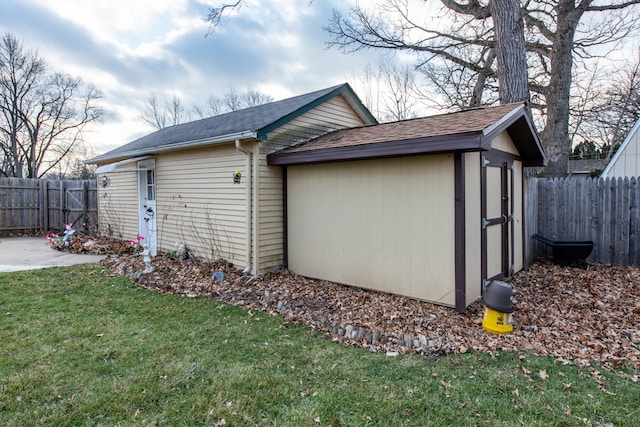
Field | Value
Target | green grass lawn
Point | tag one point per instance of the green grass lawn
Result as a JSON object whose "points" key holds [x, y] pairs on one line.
{"points": [[80, 347]]}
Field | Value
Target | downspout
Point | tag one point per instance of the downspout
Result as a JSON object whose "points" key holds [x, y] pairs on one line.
{"points": [[255, 183], [249, 201]]}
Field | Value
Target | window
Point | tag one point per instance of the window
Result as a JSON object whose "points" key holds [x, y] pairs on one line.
{"points": [[151, 184]]}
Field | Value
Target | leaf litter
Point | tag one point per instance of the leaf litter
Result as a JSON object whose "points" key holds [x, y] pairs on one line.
{"points": [[577, 316]]}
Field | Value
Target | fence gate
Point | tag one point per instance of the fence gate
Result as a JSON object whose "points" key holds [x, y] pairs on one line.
{"points": [[34, 205]]}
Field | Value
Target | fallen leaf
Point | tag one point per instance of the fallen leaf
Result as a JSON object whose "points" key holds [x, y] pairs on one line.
{"points": [[543, 374]]}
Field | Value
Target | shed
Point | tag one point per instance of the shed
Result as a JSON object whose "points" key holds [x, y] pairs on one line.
{"points": [[206, 184], [429, 208], [626, 161]]}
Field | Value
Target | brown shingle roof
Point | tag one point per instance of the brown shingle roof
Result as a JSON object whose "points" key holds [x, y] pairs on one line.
{"points": [[470, 130], [475, 120]]}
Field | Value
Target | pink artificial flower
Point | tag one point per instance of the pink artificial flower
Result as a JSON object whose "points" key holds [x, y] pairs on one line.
{"points": [[136, 241]]}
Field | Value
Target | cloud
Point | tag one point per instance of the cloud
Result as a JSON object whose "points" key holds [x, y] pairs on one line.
{"points": [[131, 50]]}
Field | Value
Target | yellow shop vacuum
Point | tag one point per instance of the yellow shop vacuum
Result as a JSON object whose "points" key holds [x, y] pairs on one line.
{"points": [[498, 306]]}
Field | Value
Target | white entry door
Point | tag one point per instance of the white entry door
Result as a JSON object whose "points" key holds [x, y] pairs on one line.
{"points": [[147, 205]]}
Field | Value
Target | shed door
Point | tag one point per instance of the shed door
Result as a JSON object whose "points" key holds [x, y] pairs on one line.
{"points": [[497, 218]]}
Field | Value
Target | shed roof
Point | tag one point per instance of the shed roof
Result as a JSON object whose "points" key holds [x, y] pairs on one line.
{"points": [[469, 130], [254, 122]]}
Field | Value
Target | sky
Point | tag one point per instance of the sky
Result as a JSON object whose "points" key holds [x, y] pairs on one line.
{"points": [[133, 49]]}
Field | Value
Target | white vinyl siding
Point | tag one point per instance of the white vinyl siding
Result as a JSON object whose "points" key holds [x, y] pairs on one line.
{"points": [[118, 205], [198, 204], [627, 162]]}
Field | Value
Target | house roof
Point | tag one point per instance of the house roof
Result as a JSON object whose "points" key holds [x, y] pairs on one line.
{"points": [[255, 122], [469, 130], [623, 148]]}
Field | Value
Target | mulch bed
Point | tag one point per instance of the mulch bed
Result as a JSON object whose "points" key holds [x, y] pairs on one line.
{"points": [[578, 316]]}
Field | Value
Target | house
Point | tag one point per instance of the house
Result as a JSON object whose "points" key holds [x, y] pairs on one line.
{"points": [[207, 185], [626, 161], [430, 208], [585, 168]]}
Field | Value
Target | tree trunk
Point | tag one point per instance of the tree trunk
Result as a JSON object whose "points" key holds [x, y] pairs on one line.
{"points": [[511, 52], [555, 138], [478, 88]]}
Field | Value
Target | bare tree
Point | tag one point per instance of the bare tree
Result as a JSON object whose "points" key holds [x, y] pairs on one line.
{"points": [[391, 92], [554, 36], [217, 12], [252, 97], [213, 107], [613, 110], [42, 116], [159, 115]]}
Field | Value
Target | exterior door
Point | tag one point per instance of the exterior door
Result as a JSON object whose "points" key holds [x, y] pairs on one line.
{"points": [[147, 205], [497, 218]]}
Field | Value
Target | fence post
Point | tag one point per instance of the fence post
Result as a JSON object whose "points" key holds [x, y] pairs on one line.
{"points": [[85, 206], [62, 205], [43, 203]]}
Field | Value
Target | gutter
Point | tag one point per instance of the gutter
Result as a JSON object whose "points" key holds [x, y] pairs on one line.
{"points": [[177, 146]]}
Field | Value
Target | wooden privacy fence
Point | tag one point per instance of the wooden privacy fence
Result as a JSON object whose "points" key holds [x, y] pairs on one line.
{"points": [[37, 205], [606, 211]]}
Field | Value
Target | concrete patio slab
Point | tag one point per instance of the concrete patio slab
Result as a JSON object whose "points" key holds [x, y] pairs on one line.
{"points": [[29, 253]]}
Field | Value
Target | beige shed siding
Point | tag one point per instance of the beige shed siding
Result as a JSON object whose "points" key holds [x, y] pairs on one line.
{"points": [[329, 116], [518, 216], [503, 142], [383, 224], [198, 204], [118, 205], [473, 227]]}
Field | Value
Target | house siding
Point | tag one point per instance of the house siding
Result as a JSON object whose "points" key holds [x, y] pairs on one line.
{"points": [[333, 114], [118, 205], [198, 204], [382, 224], [627, 163]]}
